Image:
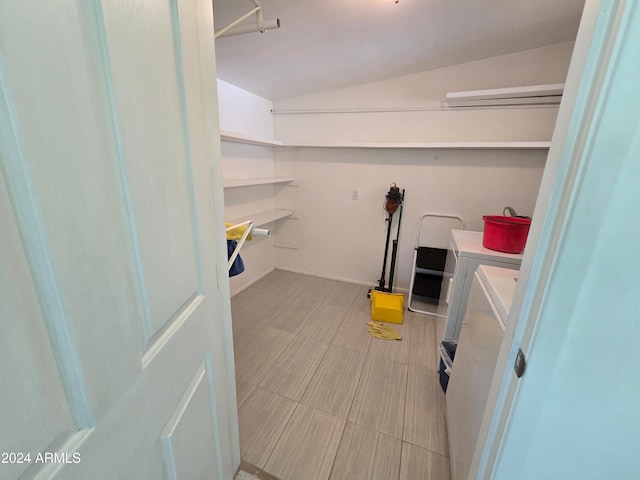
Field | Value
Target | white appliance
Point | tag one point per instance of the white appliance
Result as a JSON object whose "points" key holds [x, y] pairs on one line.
{"points": [[475, 362], [464, 256]]}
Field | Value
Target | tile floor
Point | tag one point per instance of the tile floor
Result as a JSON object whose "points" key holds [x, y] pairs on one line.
{"points": [[320, 399]]}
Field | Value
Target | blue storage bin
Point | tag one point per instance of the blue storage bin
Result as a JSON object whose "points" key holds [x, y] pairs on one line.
{"points": [[447, 354]]}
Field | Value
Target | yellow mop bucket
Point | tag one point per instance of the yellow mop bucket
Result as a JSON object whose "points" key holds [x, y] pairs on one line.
{"points": [[387, 307]]}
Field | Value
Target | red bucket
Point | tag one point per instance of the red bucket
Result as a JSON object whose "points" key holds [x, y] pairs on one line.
{"points": [[505, 234]]}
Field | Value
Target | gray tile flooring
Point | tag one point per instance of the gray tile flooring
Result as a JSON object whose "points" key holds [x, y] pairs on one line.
{"points": [[320, 399]]}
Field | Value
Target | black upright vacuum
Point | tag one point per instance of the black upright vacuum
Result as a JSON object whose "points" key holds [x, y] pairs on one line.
{"points": [[394, 201]]}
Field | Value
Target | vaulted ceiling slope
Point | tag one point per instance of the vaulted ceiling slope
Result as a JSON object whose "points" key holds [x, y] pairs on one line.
{"points": [[328, 44]]}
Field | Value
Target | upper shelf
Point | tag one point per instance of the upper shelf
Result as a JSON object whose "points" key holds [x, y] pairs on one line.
{"points": [[432, 145], [241, 138], [245, 182], [550, 94]]}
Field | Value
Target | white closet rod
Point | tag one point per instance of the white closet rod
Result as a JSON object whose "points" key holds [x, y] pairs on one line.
{"points": [[260, 26], [251, 229]]}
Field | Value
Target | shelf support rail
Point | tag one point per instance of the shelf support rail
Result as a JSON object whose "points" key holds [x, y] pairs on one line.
{"points": [[250, 230]]}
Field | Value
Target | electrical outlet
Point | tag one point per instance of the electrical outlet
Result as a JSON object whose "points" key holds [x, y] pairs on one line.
{"points": [[354, 194]]}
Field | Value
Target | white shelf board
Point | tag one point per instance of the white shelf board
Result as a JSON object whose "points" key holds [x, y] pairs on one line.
{"points": [[428, 145], [245, 182], [266, 217], [514, 96], [241, 138], [554, 89]]}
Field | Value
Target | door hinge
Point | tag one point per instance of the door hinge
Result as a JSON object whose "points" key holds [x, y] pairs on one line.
{"points": [[520, 363]]}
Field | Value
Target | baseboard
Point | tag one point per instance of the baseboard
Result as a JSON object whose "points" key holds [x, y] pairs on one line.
{"points": [[328, 277], [259, 277], [339, 279]]}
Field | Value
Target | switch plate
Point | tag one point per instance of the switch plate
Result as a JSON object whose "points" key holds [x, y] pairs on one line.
{"points": [[354, 194]]}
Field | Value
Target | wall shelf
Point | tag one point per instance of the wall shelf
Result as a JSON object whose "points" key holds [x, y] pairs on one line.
{"points": [[550, 94], [249, 140], [246, 139], [428, 145], [264, 218], [246, 182]]}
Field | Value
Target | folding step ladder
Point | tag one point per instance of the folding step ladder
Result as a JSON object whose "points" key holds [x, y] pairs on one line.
{"points": [[429, 259]]}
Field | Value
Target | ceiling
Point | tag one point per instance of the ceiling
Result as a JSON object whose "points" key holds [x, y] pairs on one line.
{"points": [[328, 44]]}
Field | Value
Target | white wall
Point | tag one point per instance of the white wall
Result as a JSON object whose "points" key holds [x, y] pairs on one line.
{"points": [[339, 237], [343, 238], [408, 108], [245, 113]]}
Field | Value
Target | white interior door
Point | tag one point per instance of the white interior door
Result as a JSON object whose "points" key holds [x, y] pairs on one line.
{"points": [[115, 348]]}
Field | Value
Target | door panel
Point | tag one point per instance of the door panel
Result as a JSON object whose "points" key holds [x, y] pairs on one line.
{"points": [[30, 421], [65, 142], [147, 94], [117, 335], [182, 460]]}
